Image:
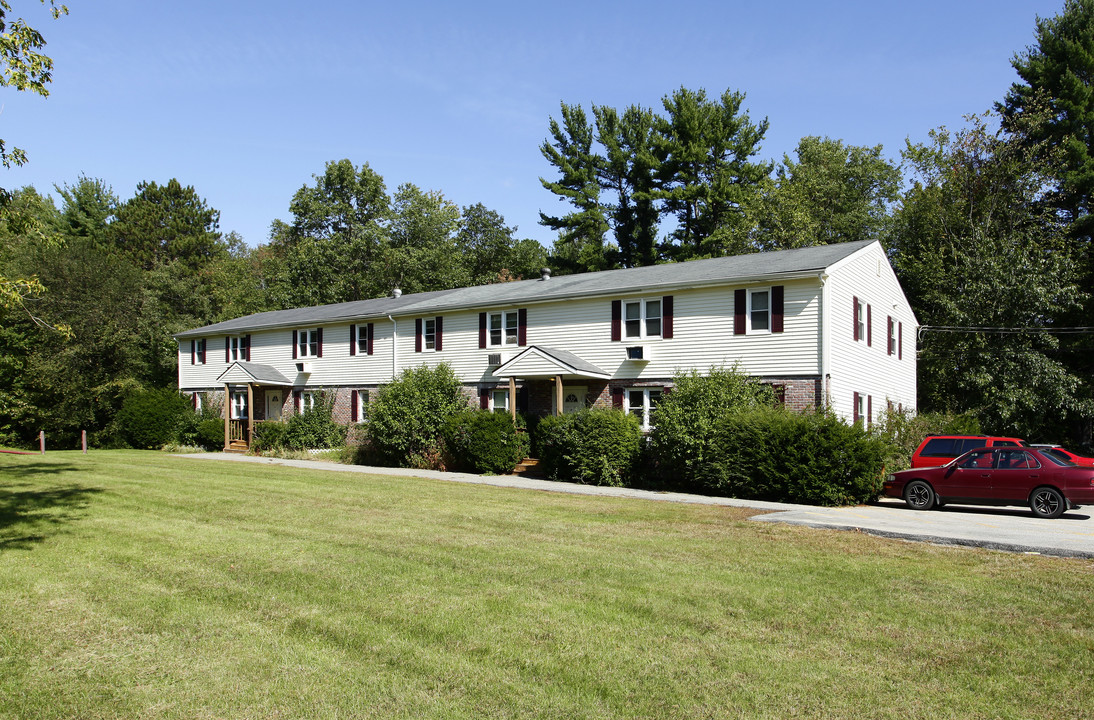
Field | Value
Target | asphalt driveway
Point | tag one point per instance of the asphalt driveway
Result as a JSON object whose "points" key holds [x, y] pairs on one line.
{"points": [[1009, 529]]}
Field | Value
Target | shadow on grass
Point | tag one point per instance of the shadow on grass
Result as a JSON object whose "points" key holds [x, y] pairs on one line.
{"points": [[29, 516]]}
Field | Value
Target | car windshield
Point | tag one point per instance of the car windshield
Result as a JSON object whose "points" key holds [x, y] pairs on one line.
{"points": [[1057, 457]]}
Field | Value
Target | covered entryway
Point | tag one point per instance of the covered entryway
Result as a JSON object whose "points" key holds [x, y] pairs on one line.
{"points": [[563, 369], [241, 381]]}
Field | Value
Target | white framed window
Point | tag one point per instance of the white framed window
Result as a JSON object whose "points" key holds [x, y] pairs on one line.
{"points": [[307, 343], [860, 314], [429, 334], [239, 405], [642, 402], [642, 318], [307, 401], [860, 411], [199, 402], [502, 328], [362, 405], [237, 350], [759, 311], [892, 337], [499, 400]]}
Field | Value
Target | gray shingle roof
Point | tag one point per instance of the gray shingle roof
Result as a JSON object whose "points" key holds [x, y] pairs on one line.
{"points": [[654, 277]]}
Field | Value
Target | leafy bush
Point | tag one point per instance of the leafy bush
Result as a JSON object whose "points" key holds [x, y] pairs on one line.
{"points": [[315, 427], [484, 442], [268, 435], [596, 447], [406, 418], [780, 455], [902, 431], [211, 434], [686, 416], [150, 418]]}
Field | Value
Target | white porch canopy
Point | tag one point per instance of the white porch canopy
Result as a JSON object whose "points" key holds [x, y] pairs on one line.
{"points": [[538, 362]]}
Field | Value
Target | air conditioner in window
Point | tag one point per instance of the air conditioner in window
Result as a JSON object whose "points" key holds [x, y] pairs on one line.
{"points": [[637, 352], [303, 367], [493, 359]]}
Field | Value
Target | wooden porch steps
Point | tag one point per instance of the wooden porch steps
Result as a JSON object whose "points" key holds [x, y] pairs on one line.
{"points": [[236, 446], [528, 467]]}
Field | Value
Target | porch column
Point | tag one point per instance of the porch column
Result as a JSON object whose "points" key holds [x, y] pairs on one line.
{"points": [[513, 398], [558, 394], [227, 415], [250, 413]]}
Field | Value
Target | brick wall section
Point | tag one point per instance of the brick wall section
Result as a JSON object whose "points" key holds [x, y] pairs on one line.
{"points": [[798, 393]]}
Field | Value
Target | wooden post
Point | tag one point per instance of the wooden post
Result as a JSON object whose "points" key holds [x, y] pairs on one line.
{"points": [[513, 398], [227, 415], [558, 394], [250, 414], [42, 441], [83, 440]]}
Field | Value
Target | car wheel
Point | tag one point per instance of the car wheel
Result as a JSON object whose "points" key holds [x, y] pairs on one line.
{"points": [[1046, 502], [919, 495]]}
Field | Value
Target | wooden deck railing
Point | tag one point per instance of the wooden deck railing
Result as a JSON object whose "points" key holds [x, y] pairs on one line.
{"points": [[237, 430]]}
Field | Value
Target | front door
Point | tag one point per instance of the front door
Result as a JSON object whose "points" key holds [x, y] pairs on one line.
{"points": [[573, 398], [273, 404]]}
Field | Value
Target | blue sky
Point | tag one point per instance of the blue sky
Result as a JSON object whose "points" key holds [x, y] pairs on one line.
{"points": [[247, 100]]}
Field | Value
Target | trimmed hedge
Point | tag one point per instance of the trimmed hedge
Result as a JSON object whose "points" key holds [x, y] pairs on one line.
{"points": [[484, 442], [595, 447], [151, 418], [784, 456]]}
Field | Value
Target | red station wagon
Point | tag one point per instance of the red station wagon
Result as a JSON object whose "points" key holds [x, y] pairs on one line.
{"points": [[1049, 485], [938, 450]]}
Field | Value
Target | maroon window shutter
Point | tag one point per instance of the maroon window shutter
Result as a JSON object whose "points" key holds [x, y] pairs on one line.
{"points": [[617, 397], [522, 327], [227, 349], [193, 352], [484, 399], [617, 320], [353, 406], [738, 312], [319, 342], [437, 337], [666, 317], [482, 330], [854, 304], [777, 308], [296, 400], [247, 344], [869, 410], [294, 349], [418, 335], [368, 339], [856, 407], [889, 335], [869, 326], [353, 340]]}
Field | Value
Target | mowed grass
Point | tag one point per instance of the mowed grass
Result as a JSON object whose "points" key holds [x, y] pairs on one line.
{"points": [[134, 584]]}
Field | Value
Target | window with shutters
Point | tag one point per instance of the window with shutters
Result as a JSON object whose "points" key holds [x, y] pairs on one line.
{"points": [[307, 401], [307, 343], [499, 400], [237, 348], [860, 320], [642, 318], [503, 328], [759, 311], [239, 405], [362, 406], [642, 402], [429, 334]]}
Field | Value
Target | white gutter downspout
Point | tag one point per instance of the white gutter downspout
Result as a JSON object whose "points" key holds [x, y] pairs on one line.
{"points": [[825, 345], [394, 346]]}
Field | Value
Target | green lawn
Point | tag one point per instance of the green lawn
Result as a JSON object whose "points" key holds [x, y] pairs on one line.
{"points": [[134, 584]]}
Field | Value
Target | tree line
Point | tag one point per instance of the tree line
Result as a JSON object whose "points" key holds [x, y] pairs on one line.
{"points": [[988, 226]]}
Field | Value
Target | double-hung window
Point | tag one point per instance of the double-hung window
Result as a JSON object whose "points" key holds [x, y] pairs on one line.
{"points": [[307, 401], [307, 343], [499, 400], [239, 405], [759, 311], [429, 334], [503, 328], [642, 318], [641, 402], [236, 349]]}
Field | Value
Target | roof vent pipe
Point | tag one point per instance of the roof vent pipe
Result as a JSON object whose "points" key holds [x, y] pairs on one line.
{"points": [[396, 293], [545, 274]]}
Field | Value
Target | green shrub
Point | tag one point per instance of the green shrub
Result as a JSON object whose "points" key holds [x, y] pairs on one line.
{"points": [[151, 418], [596, 447], [902, 431], [211, 434], [315, 427], [685, 418], [268, 435], [406, 418], [484, 442], [784, 456]]}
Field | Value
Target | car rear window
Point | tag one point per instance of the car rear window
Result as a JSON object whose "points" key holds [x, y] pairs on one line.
{"points": [[1057, 457]]}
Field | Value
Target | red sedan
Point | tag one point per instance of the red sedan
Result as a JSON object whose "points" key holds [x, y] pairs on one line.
{"points": [[1048, 484]]}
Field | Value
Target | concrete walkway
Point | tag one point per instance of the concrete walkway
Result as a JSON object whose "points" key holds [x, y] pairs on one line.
{"points": [[1010, 529]]}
